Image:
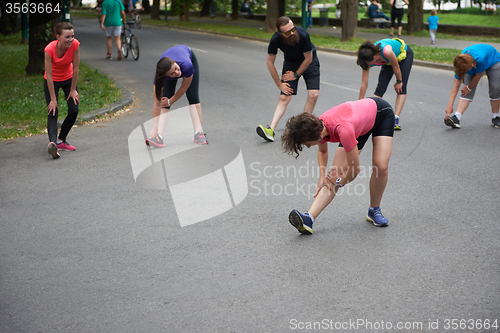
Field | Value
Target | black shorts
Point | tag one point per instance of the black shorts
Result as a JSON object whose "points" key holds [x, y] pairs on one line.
{"points": [[384, 123], [311, 75]]}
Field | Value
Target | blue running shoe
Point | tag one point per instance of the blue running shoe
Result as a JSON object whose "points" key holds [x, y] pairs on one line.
{"points": [[302, 222], [375, 216], [397, 126]]}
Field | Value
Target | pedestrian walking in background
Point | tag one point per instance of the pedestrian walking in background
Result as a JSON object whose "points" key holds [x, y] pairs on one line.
{"points": [[395, 58], [470, 66], [433, 25], [112, 20], [62, 62], [300, 61], [309, 13]]}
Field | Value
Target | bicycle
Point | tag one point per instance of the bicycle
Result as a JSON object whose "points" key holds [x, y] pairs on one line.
{"points": [[129, 41], [134, 15]]}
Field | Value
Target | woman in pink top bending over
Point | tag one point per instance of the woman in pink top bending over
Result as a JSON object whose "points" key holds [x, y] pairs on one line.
{"points": [[350, 124], [62, 61]]}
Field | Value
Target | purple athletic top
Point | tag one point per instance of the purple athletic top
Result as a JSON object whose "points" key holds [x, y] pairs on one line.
{"points": [[181, 54]]}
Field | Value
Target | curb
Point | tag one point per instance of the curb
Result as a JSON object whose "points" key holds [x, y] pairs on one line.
{"points": [[125, 100]]}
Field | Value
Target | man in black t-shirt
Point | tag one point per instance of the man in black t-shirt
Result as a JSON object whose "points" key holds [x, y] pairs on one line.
{"points": [[300, 60]]}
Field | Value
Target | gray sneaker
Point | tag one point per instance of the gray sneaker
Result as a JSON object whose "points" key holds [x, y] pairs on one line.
{"points": [[453, 122], [200, 138], [53, 151], [495, 122]]}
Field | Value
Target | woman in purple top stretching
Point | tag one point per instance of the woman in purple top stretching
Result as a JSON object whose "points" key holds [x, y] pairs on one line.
{"points": [[178, 61]]}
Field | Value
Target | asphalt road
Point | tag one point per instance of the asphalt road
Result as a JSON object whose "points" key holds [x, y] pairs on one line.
{"points": [[87, 245]]}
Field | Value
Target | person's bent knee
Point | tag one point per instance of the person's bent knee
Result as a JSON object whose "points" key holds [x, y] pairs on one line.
{"points": [[72, 110], [380, 170], [285, 98], [313, 94]]}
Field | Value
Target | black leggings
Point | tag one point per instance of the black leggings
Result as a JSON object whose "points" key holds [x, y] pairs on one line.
{"points": [[69, 121], [386, 73], [192, 92], [397, 14]]}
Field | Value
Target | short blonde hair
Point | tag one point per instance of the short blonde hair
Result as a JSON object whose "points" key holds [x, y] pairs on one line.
{"points": [[433, 12], [462, 63]]}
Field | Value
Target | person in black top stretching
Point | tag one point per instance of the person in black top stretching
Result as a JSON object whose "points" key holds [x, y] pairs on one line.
{"points": [[300, 60]]}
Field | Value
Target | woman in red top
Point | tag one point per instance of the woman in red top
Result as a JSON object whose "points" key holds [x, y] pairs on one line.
{"points": [[351, 124], [62, 61]]}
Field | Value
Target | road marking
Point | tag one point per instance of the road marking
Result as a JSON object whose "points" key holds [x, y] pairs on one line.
{"points": [[192, 48], [199, 50], [338, 86]]}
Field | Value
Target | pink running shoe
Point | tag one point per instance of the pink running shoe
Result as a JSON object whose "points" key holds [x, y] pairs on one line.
{"points": [[200, 138], [53, 151], [156, 142], [63, 145]]}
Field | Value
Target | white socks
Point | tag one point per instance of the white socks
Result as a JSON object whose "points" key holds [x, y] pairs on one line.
{"points": [[312, 218]]}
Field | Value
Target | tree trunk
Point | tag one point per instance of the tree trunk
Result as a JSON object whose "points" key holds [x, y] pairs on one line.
{"points": [[272, 15], [236, 9], [415, 16], [349, 16], [185, 9], [8, 22], [205, 9], [41, 32], [281, 8], [155, 10]]}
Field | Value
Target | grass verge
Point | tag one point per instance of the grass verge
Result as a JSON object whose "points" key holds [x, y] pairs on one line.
{"points": [[425, 53], [23, 111]]}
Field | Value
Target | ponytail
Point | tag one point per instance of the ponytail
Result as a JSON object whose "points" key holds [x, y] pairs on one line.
{"points": [[162, 67]]}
